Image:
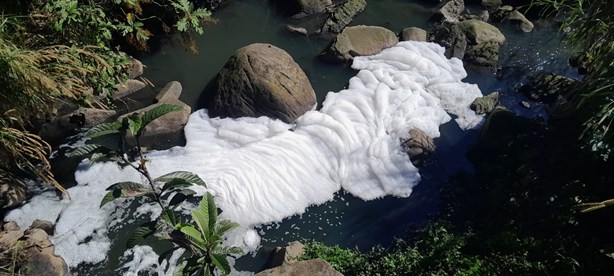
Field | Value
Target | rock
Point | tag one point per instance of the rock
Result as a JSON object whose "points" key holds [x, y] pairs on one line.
{"points": [[63, 126], [486, 104], [491, 5], [135, 69], [10, 226], [287, 255], [168, 127], [361, 41], [13, 192], [9, 238], [38, 252], [478, 32], [413, 34], [451, 37], [310, 267], [298, 30], [128, 88], [342, 15], [262, 80], [484, 55], [41, 256], [169, 93], [44, 225], [546, 88], [418, 147], [483, 16], [518, 20], [449, 12], [313, 6], [501, 13]]}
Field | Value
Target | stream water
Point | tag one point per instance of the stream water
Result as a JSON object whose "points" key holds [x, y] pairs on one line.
{"points": [[346, 220]]}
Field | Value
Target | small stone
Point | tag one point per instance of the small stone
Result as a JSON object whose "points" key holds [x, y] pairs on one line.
{"points": [[136, 68], [297, 30], [418, 147], [10, 226], [44, 225], [128, 88], [169, 93], [449, 12], [525, 104], [486, 104], [413, 34], [520, 21]]}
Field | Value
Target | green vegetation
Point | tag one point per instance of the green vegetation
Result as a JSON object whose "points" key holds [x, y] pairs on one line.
{"points": [[588, 26], [202, 242], [436, 251], [12, 260], [59, 51]]}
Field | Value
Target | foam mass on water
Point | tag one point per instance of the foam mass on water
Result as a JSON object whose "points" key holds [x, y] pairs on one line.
{"points": [[262, 170]]}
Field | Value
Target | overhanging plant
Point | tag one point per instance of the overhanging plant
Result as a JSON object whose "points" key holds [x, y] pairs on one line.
{"points": [[201, 240]]}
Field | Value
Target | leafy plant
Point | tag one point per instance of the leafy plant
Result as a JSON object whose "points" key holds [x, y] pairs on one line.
{"points": [[190, 18], [588, 26], [203, 241]]}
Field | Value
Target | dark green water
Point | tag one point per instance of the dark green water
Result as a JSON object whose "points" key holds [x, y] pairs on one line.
{"points": [[349, 221]]}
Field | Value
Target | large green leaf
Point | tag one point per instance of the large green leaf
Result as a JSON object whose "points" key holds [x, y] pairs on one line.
{"points": [[225, 226], [135, 123], [206, 216], [228, 250], [194, 236], [159, 111], [110, 196], [82, 150], [187, 176], [220, 262], [140, 234], [104, 129], [175, 183], [209, 206]]}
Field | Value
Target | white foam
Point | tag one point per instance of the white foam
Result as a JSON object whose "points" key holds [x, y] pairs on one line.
{"points": [[262, 172]]}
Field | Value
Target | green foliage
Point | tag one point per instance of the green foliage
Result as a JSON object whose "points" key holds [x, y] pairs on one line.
{"points": [[190, 18], [589, 28], [436, 251], [202, 240], [205, 240], [13, 260]]}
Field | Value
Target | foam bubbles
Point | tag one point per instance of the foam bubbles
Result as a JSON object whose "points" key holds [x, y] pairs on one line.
{"points": [[263, 170]]}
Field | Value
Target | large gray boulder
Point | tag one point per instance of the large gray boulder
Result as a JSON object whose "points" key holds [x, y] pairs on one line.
{"points": [[478, 32], [451, 37], [484, 55], [262, 80], [450, 11], [361, 41], [310, 267], [546, 88], [342, 15]]}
